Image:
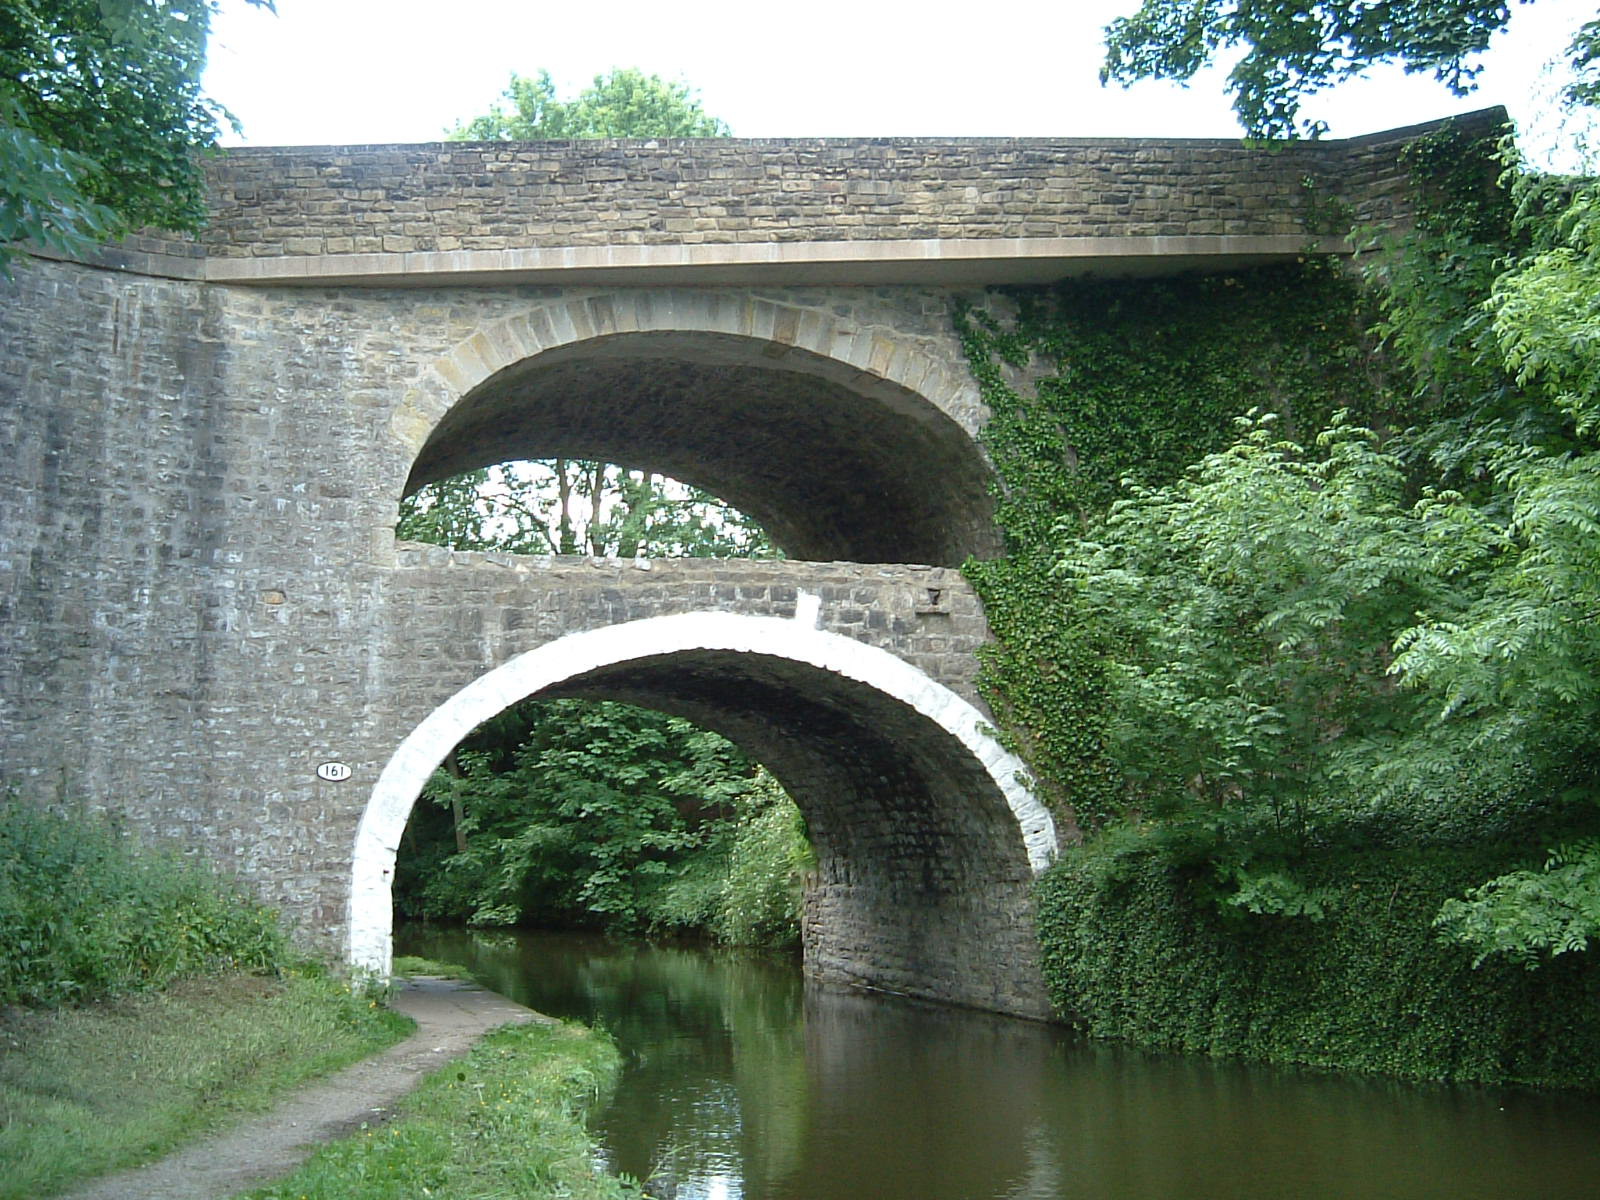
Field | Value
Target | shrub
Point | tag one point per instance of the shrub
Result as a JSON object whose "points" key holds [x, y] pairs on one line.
{"points": [[88, 912], [1136, 948]]}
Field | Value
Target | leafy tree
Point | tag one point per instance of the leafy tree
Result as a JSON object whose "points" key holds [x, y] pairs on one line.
{"points": [[102, 119], [574, 812], [578, 506], [1251, 608], [1292, 51], [1518, 671], [1393, 619], [1497, 667], [625, 103], [1283, 636]]}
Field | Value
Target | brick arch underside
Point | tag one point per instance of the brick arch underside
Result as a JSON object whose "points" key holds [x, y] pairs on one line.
{"points": [[926, 840], [837, 464]]}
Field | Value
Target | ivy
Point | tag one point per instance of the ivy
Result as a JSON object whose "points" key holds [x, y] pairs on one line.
{"points": [[1098, 386], [1316, 688], [1135, 950]]}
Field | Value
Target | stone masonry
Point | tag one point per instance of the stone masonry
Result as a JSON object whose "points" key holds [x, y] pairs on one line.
{"points": [[445, 196], [202, 599]]}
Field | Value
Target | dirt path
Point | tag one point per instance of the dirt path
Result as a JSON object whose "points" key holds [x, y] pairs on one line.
{"points": [[450, 1016]]}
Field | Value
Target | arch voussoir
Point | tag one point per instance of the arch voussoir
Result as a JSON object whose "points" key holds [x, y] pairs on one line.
{"points": [[870, 350]]}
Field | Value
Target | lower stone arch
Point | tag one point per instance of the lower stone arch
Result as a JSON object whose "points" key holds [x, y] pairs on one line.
{"points": [[949, 919]]}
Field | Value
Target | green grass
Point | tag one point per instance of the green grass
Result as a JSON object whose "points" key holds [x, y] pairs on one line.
{"points": [[96, 1088], [409, 964], [504, 1121]]}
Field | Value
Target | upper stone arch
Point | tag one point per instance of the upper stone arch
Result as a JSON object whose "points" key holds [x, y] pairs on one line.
{"points": [[846, 438]]}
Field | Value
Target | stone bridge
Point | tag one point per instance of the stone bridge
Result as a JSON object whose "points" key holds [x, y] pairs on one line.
{"points": [[202, 600]]}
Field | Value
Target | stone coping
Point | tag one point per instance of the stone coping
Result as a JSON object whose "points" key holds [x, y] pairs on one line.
{"points": [[930, 261]]}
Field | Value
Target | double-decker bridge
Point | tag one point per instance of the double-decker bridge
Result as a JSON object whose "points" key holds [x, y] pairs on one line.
{"points": [[204, 610]]}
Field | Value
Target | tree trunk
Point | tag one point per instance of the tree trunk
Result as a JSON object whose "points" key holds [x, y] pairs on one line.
{"points": [[456, 815]]}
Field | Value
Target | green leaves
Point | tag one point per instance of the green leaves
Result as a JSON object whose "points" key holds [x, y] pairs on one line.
{"points": [[1294, 51], [88, 913], [1546, 312], [1527, 914], [1251, 608], [581, 812], [578, 506], [1399, 617], [1135, 382], [624, 103], [102, 119], [1135, 948], [1314, 653], [44, 200]]}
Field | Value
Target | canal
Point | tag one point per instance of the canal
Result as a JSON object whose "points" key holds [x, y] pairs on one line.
{"points": [[744, 1083]]}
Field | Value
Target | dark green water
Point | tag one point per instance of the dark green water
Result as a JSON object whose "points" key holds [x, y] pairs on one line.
{"points": [[742, 1081]]}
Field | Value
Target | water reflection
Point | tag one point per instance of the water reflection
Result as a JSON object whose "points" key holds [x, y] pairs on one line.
{"points": [[742, 1082]]}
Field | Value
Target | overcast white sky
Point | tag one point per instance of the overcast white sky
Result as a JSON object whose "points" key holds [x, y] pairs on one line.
{"points": [[359, 71]]}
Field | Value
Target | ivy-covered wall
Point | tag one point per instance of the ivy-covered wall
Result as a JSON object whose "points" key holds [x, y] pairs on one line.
{"points": [[1131, 381], [1135, 949], [1098, 389]]}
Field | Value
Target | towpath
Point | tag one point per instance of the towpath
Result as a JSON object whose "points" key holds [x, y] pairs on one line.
{"points": [[450, 1017]]}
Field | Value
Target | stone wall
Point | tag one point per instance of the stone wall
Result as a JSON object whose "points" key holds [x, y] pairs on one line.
{"points": [[481, 609], [467, 196]]}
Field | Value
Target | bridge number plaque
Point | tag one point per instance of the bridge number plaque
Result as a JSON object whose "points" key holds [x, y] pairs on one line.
{"points": [[334, 772]]}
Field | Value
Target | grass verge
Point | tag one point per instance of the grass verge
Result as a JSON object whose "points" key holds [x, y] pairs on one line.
{"points": [[406, 965], [88, 1090], [505, 1120]]}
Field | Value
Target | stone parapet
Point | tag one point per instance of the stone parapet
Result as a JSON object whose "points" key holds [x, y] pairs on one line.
{"points": [[487, 197]]}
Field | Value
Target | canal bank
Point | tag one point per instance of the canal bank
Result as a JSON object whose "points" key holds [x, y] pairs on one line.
{"points": [[450, 1017]]}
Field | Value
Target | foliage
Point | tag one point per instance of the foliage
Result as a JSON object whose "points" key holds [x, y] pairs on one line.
{"points": [[102, 119], [1584, 54], [1250, 610], [1513, 676], [1309, 693], [1546, 310], [1044, 677], [1129, 381], [506, 1120], [578, 506], [1136, 950], [1492, 309], [1431, 285], [43, 199], [760, 899], [579, 812], [624, 103], [1405, 612], [88, 913], [95, 1088], [1524, 914], [1293, 51]]}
